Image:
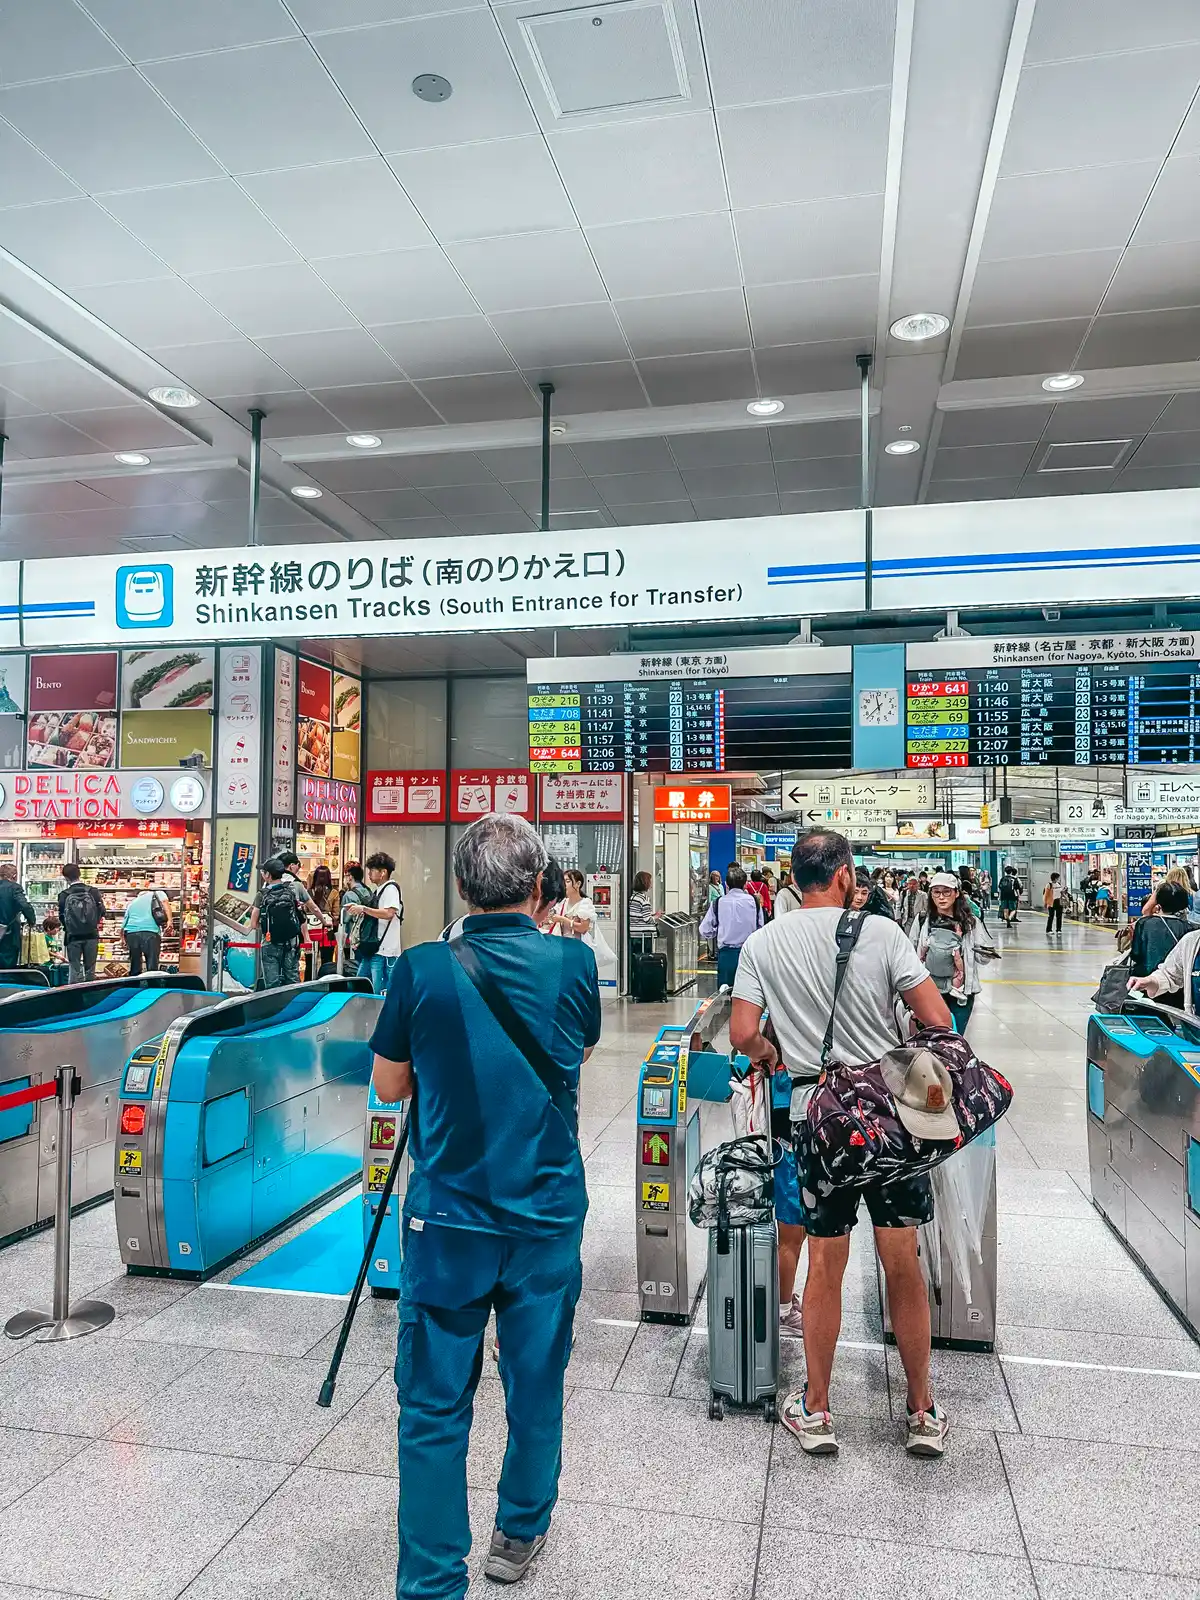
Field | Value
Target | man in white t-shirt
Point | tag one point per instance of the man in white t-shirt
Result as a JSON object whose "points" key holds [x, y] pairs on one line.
{"points": [[788, 969], [378, 947]]}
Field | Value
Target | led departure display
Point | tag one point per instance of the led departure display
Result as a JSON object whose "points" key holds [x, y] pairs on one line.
{"points": [[1059, 710], [687, 713]]}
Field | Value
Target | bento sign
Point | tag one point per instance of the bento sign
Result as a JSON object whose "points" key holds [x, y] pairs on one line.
{"points": [[100, 796]]}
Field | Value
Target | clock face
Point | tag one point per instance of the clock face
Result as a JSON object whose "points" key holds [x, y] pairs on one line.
{"points": [[879, 708]]}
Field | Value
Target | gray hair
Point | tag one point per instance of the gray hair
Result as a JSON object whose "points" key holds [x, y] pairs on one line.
{"points": [[497, 862]]}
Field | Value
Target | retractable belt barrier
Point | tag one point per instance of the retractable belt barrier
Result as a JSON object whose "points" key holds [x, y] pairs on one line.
{"points": [[63, 1320], [681, 1083]]}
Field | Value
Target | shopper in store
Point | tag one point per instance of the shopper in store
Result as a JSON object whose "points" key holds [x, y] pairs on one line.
{"points": [[788, 969], [1052, 902], [276, 919], [952, 944], [379, 944], [81, 910], [731, 920], [147, 918], [14, 909], [486, 1033], [354, 893]]}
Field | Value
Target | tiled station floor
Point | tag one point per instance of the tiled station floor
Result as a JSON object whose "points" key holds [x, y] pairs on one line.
{"points": [[182, 1453]]}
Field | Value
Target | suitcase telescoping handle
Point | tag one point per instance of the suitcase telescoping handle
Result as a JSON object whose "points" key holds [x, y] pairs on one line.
{"points": [[325, 1398]]}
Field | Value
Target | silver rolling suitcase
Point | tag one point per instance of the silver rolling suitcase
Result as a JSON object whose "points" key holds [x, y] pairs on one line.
{"points": [[743, 1318]]}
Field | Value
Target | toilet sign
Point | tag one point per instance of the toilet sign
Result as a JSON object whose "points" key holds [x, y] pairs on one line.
{"points": [[656, 1148]]}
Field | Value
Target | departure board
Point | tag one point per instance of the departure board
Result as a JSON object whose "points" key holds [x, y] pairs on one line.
{"points": [[1061, 710], [688, 713]]}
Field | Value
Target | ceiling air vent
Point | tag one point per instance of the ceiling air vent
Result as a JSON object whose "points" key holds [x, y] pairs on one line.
{"points": [[1089, 455], [608, 57]]}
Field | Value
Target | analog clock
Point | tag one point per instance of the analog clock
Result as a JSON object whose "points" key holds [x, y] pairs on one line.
{"points": [[879, 708]]}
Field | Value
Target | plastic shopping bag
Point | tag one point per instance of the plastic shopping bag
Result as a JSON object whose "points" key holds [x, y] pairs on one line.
{"points": [[961, 1189], [749, 1105]]}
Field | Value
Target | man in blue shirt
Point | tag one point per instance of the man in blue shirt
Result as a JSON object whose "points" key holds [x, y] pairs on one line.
{"points": [[494, 1209]]}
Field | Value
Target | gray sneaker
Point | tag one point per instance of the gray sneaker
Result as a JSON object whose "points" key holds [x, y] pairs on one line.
{"points": [[510, 1559]]}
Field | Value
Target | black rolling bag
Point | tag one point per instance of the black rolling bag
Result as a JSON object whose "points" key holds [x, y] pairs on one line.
{"points": [[648, 976]]}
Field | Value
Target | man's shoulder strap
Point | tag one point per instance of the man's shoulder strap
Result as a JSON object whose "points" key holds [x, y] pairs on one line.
{"points": [[850, 926]]}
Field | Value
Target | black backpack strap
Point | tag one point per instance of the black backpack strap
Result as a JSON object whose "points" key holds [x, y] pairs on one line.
{"points": [[549, 1073], [848, 929]]}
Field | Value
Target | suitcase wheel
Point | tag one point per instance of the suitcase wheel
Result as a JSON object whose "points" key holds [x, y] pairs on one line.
{"points": [[769, 1412], [716, 1409]]}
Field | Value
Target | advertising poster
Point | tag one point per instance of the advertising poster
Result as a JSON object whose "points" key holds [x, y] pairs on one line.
{"points": [[239, 731], [283, 771], [167, 680], [234, 884], [165, 738], [72, 710], [347, 727], [598, 797], [12, 705], [314, 702], [411, 796]]}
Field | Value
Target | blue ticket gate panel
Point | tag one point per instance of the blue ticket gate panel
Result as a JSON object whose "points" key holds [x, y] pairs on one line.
{"points": [[93, 1027], [1143, 1118], [238, 1120], [381, 1135]]}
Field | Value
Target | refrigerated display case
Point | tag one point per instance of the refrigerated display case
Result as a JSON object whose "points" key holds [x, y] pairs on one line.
{"points": [[121, 869], [42, 861]]}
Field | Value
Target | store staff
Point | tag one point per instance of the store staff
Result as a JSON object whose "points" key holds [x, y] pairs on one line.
{"points": [[493, 1214]]}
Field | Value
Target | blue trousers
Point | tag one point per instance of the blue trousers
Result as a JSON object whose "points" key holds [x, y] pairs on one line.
{"points": [[728, 956], [379, 970], [451, 1279]]}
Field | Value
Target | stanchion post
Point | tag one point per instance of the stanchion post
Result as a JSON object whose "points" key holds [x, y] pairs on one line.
{"points": [[63, 1320]]}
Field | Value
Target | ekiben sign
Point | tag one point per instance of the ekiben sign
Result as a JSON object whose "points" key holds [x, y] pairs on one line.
{"points": [[760, 567]]}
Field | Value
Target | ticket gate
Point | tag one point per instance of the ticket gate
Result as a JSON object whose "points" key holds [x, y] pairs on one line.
{"points": [[681, 1087], [1143, 1121], [92, 1027], [381, 1134], [238, 1120], [19, 980]]}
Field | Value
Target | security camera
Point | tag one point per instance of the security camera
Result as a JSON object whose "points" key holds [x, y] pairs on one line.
{"points": [[1051, 613]]}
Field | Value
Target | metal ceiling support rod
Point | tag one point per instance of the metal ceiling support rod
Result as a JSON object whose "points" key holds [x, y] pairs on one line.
{"points": [[256, 422], [863, 363], [547, 392]]}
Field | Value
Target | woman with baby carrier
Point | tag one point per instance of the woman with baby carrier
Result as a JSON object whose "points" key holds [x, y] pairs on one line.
{"points": [[952, 944]]}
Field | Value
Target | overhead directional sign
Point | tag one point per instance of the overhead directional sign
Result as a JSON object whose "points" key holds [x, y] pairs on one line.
{"points": [[870, 792], [852, 817]]}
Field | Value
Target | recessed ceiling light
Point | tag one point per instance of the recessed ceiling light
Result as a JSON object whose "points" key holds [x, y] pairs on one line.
{"points": [[132, 458], [920, 325], [765, 408], [1059, 381], [306, 491], [167, 395], [902, 447], [364, 441]]}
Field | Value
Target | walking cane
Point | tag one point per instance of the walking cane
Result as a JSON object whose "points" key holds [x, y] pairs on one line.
{"points": [[325, 1398]]}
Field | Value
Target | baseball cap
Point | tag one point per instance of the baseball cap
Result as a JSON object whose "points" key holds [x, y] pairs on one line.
{"points": [[944, 880], [921, 1088]]}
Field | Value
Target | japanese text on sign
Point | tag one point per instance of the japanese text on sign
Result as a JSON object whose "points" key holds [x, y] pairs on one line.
{"points": [[693, 803], [409, 796]]}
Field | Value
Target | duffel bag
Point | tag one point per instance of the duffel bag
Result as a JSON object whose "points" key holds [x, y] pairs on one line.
{"points": [[733, 1185], [898, 1116]]}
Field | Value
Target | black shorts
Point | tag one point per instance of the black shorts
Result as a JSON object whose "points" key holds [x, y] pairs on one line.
{"points": [[903, 1203]]}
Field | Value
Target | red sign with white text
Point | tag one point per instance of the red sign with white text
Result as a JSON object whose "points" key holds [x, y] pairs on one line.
{"points": [[412, 796], [85, 682], [693, 802], [147, 828], [504, 789], [599, 797], [316, 691]]}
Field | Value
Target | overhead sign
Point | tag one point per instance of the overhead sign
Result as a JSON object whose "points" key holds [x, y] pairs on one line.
{"points": [[1161, 791], [756, 567], [592, 797], [83, 796], [1036, 552], [868, 793], [408, 796], [841, 818], [703, 802], [783, 840]]}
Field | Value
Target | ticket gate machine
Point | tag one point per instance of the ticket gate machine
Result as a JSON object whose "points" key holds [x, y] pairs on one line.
{"points": [[92, 1027], [19, 980], [239, 1119], [1143, 1121], [680, 1085]]}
